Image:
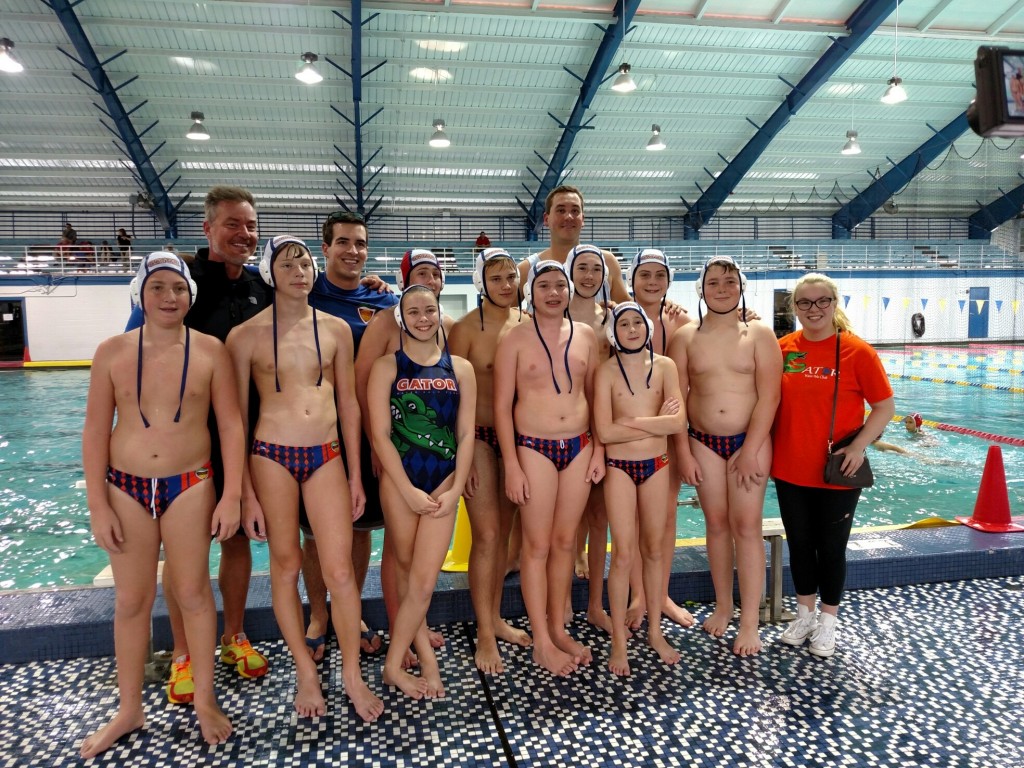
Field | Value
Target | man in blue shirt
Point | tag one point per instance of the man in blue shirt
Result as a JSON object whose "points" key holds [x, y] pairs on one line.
{"points": [[338, 290]]}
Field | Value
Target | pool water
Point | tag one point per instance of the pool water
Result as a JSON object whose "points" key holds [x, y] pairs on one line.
{"points": [[45, 540]]}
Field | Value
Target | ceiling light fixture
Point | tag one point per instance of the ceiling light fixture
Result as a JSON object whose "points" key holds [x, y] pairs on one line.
{"points": [[440, 139], [656, 143], [198, 132], [623, 82], [307, 72], [895, 93], [852, 146], [7, 62]]}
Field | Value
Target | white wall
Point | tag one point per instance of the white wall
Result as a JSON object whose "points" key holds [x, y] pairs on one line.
{"points": [[69, 321]]}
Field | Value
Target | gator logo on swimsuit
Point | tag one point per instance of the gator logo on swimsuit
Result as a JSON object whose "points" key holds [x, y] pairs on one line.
{"points": [[413, 424], [366, 313], [202, 473], [335, 445], [426, 385]]}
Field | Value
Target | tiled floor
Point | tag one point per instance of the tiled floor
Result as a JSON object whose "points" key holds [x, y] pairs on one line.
{"points": [[925, 675]]}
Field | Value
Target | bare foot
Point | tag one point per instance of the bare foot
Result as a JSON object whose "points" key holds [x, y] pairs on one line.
{"points": [[748, 641], [580, 653], [581, 567], [309, 699], [716, 624], [505, 631], [603, 621], [661, 646], [555, 661], [430, 673], [412, 686], [367, 705], [436, 639], [122, 724], [409, 660], [487, 658], [675, 612], [635, 613], [213, 722], [618, 661]]}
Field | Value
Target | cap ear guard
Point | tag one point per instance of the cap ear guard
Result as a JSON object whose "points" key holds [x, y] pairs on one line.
{"points": [[412, 259], [589, 250], [401, 300], [616, 313], [482, 259], [155, 262], [538, 269], [729, 260], [649, 256], [270, 251]]}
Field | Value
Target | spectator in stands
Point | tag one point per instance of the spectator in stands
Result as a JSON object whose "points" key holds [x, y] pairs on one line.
{"points": [[482, 241], [68, 235], [106, 254], [124, 244]]}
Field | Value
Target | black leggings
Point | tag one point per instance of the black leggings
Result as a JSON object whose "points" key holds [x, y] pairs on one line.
{"points": [[817, 522]]}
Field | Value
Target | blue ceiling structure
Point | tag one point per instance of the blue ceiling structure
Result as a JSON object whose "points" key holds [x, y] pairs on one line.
{"points": [[861, 207], [981, 224], [144, 173], [357, 164], [589, 85], [864, 21]]}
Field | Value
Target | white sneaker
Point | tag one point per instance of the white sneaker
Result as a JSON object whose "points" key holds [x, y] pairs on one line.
{"points": [[797, 632], [823, 641]]}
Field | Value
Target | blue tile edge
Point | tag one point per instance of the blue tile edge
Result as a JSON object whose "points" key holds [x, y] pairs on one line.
{"points": [[74, 623]]}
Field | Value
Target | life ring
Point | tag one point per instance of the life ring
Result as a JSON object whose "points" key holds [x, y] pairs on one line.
{"points": [[917, 324]]}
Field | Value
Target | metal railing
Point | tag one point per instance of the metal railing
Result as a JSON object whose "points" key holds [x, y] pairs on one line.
{"points": [[384, 258]]}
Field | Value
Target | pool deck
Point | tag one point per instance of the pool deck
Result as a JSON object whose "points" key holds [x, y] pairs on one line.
{"points": [[927, 673], [41, 625]]}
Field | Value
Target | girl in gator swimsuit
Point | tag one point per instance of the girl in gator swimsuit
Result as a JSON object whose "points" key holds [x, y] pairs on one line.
{"points": [[421, 403]]}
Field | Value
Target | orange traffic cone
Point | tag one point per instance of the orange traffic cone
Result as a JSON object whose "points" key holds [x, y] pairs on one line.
{"points": [[992, 510]]}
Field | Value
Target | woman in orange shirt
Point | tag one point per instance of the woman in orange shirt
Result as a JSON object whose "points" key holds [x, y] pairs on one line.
{"points": [[818, 516]]}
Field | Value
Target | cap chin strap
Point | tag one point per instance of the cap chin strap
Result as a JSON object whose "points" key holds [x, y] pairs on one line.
{"points": [[184, 376], [316, 339], [648, 346], [551, 362]]}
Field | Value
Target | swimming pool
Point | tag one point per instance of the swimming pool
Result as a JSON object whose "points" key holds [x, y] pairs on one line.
{"points": [[45, 539]]}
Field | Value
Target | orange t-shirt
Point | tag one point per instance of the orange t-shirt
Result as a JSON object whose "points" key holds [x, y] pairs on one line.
{"points": [[800, 434]]}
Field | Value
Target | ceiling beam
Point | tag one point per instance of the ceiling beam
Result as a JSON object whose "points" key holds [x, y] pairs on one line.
{"points": [[860, 208], [864, 21], [555, 167], [148, 176]]}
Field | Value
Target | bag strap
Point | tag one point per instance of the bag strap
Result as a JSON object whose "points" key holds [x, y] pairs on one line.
{"points": [[835, 395]]}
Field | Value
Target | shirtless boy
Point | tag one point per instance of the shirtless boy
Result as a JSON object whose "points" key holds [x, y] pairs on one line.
{"points": [[649, 279], [589, 273], [301, 363], [475, 337], [637, 405], [732, 373], [146, 482], [549, 451]]}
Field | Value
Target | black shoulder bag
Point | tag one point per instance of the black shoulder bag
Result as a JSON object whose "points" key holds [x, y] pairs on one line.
{"points": [[862, 478]]}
